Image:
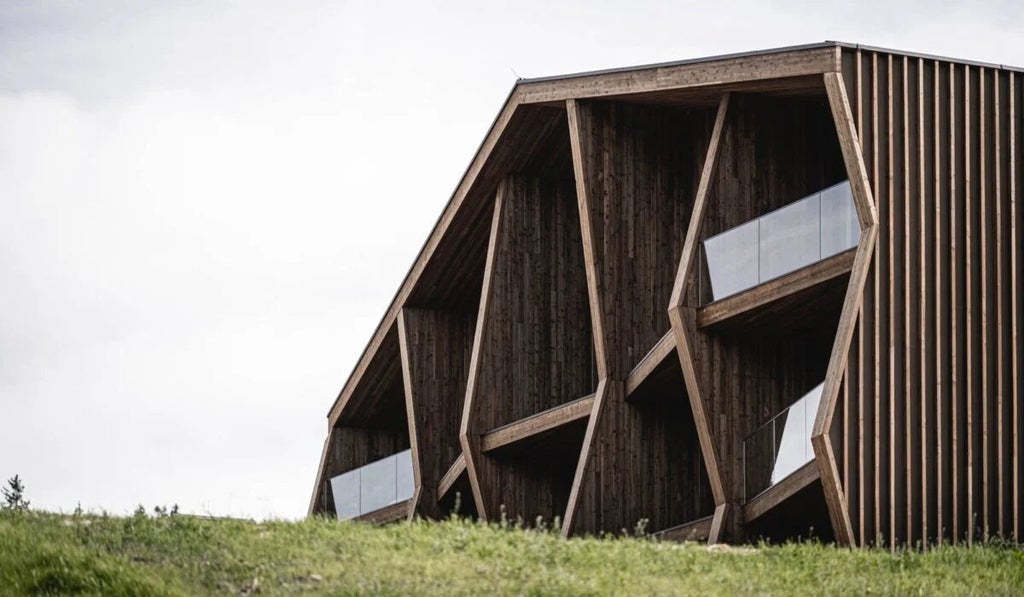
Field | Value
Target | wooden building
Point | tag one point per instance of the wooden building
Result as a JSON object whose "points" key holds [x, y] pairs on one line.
{"points": [[773, 294]]}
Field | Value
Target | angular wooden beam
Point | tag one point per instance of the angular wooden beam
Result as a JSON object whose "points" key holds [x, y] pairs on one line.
{"points": [[683, 319], [451, 476], [469, 437], [600, 396], [388, 514], [695, 530], [411, 386], [774, 290], [590, 259], [513, 433], [868, 218], [650, 362], [768, 499], [318, 485]]}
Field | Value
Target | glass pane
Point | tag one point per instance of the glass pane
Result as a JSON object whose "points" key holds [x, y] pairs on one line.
{"points": [[406, 480], [345, 488], [790, 238], [378, 485], [795, 443], [732, 260], [840, 229]]}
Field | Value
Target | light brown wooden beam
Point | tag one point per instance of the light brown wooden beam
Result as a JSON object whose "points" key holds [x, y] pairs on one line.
{"points": [[581, 174], [469, 435], [315, 506], [695, 530], [697, 74], [387, 513], [864, 202], [683, 319], [774, 290], [650, 362], [523, 429], [451, 476], [768, 499]]}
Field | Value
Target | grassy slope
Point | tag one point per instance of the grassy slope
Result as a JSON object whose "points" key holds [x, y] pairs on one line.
{"points": [[185, 555]]}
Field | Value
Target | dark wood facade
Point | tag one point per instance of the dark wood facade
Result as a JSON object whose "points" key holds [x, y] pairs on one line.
{"points": [[551, 353]]}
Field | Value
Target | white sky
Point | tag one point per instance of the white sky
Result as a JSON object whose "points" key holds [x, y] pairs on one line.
{"points": [[205, 207]]}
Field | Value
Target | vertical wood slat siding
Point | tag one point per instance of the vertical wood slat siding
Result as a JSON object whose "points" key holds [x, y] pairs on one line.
{"points": [[1017, 273], [877, 427], [635, 201], [911, 256], [931, 435], [1002, 303], [1016, 181], [943, 368], [436, 346], [533, 342]]}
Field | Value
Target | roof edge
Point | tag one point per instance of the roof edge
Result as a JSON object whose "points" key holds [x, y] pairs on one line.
{"points": [[768, 51]]}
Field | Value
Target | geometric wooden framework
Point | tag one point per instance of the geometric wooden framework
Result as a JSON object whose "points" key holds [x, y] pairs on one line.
{"points": [[548, 353]]}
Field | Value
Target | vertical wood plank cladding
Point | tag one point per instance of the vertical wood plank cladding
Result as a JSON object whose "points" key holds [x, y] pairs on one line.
{"points": [[640, 166], [644, 462], [1015, 182], [878, 369], [436, 347], [535, 351], [1002, 244], [636, 168], [927, 298], [868, 389], [884, 378], [987, 338], [972, 368], [956, 139], [1017, 273], [1002, 320], [943, 367], [897, 264], [911, 472], [938, 355]]}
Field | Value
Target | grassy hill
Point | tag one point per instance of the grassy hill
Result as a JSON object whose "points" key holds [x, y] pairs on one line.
{"points": [[44, 553]]}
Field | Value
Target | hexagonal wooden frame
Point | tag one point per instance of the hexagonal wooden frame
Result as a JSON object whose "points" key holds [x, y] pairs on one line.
{"points": [[683, 317]]}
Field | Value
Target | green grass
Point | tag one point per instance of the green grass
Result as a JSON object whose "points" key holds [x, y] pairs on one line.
{"points": [[44, 553]]}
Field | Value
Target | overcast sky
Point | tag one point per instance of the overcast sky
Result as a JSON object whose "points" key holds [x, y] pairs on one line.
{"points": [[205, 207]]}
